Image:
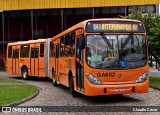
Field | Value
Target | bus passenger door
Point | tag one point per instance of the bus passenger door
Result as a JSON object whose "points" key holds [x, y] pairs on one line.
{"points": [[34, 61], [79, 66], [15, 61], [56, 63]]}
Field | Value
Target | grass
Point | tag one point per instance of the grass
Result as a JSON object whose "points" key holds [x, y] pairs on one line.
{"points": [[3, 80], [14, 93], [154, 81], [2, 70]]}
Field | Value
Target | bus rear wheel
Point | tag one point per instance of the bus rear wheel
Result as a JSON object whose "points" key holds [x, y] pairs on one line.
{"points": [[24, 73]]}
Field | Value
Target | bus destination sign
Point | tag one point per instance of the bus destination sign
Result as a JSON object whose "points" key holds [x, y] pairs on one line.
{"points": [[114, 26]]}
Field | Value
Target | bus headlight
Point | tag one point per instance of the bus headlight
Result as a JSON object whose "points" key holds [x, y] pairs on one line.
{"points": [[142, 78], [94, 80]]}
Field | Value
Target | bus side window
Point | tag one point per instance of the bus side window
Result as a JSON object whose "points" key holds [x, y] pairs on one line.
{"points": [[17, 55], [24, 52], [36, 52], [52, 50], [14, 53], [57, 51], [67, 45], [9, 51], [62, 42], [41, 50], [72, 44], [32, 52]]}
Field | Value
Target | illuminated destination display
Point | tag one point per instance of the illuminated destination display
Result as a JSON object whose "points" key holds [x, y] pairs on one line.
{"points": [[114, 26]]}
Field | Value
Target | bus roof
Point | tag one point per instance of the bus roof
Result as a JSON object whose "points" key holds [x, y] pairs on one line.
{"points": [[111, 19], [27, 42], [83, 25]]}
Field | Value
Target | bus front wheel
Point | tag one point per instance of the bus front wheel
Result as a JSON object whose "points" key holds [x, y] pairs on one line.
{"points": [[24, 73]]}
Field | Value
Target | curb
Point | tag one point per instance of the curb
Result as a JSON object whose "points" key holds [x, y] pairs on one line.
{"points": [[25, 100], [154, 88]]}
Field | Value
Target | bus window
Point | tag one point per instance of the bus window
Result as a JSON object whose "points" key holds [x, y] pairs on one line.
{"points": [[10, 52], [62, 41], [17, 55], [67, 45], [24, 51], [34, 53], [57, 51], [72, 44], [52, 50], [14, 53], [41, 50]]}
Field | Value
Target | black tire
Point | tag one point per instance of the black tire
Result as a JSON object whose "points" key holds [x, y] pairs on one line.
{"points": [[71, 88], [55, 84], [24, 73]]}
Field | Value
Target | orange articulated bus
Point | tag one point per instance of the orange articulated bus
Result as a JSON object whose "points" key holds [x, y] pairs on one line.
{"points": [[27, 58], [94, 57], [101, 57]]}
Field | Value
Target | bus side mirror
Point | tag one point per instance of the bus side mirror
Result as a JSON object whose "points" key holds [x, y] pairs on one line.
{"points": [[81, 42]]}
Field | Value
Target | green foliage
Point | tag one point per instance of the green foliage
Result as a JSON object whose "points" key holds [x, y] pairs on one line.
{"points": [[154, 81], [151, 22], [14, 93]]}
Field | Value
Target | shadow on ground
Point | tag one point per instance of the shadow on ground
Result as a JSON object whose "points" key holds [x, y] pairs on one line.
{"points": [[33, 78]]}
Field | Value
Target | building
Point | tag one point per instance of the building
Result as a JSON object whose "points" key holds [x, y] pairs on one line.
{"points": [[33, 19]]}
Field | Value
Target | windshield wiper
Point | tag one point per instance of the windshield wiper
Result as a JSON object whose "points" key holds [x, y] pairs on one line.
{"points": [[127, 40], [106, 40]]}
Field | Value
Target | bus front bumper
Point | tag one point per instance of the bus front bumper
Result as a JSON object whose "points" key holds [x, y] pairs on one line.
{"points": [[95, 90]]}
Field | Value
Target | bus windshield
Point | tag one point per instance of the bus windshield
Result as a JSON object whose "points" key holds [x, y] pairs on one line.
{"points": [[116, 51]]}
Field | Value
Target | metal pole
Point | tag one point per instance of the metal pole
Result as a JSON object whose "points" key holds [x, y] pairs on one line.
{"points": [[47, 27], [93, 13], [62, 20], [3, 36], [48, 13], [157, 9], [37, 34], [125, 8], [32, 23], [8, 29]]}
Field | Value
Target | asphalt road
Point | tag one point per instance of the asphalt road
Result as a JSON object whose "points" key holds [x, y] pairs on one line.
{"points": [[59, 96]]}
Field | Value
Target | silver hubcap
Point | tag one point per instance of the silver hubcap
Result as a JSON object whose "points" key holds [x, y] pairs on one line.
{"points": [[25, 74], [53, 80]]}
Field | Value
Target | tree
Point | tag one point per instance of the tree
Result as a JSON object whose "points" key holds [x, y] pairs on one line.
{"points": [[151, 22]]}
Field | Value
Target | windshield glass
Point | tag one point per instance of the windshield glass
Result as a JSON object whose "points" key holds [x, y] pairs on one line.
{"points": [[116, 51]]}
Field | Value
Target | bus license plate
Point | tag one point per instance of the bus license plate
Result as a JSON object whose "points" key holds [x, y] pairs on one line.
{"points": [[119, 89]]}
